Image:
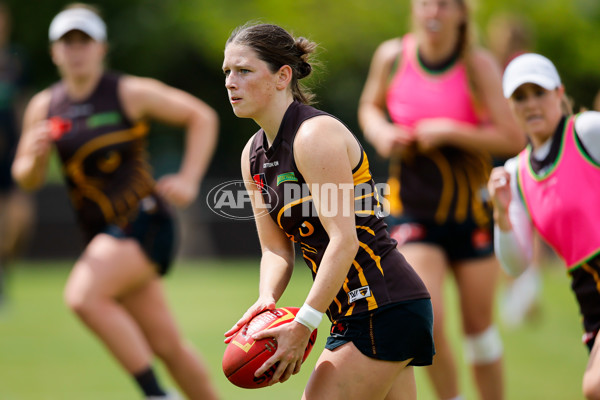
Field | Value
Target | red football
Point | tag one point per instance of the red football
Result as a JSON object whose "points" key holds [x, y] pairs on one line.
{"points": [[243, 355]]}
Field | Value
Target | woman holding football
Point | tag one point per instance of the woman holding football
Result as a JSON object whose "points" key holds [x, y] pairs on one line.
{"points": [[380, 310], [432, 103], [552, 188], [96, 121]]}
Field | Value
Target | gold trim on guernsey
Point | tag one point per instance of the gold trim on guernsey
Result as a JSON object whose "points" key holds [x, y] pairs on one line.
{"points": [[594, 274], [87, 186], [314, 264], [443, 165], [363, 174]]}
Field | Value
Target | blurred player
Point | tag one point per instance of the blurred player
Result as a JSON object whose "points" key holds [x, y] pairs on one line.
{"points": [[432, 103], [97, 122], [379, 308], [552, 187], [16, 206]]}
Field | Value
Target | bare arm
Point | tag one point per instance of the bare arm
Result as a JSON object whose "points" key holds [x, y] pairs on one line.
{"points": [[35, 145], [145, 98], [277, 260], [385, 137], [325, 153], [325, 160], [513, 230]]}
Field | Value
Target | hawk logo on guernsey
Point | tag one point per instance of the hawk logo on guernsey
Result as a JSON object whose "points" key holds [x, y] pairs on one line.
{"points": [[287, 177], [360, 293]]}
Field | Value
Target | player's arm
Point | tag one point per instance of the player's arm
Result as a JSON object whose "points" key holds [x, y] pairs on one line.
{"points": [[587, 128], [500, 136], [383, 135], [277, 259], [35, 144], [149, 99], [322, 153], [513, 229]]}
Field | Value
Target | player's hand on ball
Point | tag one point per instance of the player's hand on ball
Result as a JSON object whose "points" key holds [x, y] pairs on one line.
{"points": [[258, 307], [292, 340]]}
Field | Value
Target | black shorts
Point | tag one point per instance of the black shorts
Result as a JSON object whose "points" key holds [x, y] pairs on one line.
{"points": [[460, 241], [585, 286], [395, 332], [155, 231]]}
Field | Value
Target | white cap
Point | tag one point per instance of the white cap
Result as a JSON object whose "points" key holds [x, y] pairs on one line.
{"points": [[530, 68], [80, 19]]}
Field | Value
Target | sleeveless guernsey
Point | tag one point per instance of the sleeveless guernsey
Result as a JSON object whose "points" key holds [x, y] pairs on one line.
{"points": [[443, 184], [379, 274], [563, 216], [103, 156]]}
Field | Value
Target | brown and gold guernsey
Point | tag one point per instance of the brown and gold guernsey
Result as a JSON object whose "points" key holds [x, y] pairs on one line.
{"points": [[379, 274], [103, 156], [442, 185]]}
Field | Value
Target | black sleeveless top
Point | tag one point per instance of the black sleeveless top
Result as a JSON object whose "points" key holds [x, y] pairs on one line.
{"points": [[103, 156], [379, 274]]}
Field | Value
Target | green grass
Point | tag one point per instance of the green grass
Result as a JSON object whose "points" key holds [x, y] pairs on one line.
{"points": [[46, 354]]}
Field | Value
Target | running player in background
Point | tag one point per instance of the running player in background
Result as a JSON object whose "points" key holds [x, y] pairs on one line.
{"points": [[552, 188], [97, 120], [16, 206], [432, 104], [379, 308]]}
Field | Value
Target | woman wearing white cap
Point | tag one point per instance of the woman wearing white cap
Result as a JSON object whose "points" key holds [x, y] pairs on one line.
{"points": [[96, 121], [432, 103], [552, 187]]}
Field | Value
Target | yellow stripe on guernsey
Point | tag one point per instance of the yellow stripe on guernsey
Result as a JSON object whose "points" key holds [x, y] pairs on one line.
{"points": [[290, 205], [444, 168], [393, 197], [371, 302], [314, 264], [362, 174], [594, 274], [74, 169]]}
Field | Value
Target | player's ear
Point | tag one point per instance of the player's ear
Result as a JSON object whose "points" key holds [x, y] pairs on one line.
{"points": [[284, 77]]}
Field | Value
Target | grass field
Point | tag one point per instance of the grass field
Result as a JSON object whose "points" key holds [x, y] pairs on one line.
{"points": [[46, 354]]}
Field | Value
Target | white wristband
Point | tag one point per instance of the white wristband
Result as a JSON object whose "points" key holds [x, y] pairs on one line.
{"points": [[309, 317]]}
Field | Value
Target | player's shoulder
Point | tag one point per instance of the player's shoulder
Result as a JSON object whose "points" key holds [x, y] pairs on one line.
{"points": [[482, 59], [310, 133], [39, 104], [132, 85], [587, 121], [389, 50]]}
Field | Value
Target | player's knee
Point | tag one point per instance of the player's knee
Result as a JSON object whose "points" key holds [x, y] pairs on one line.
{"points": [[591, 386], [485, 347], [76, 300]]}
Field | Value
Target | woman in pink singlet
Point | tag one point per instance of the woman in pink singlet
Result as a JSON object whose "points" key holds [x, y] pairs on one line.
{"points": [[552, 188], [433, 105]]}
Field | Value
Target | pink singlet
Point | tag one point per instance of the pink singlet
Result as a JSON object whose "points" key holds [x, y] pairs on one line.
{"points": [[564, 202], [416, 93]]}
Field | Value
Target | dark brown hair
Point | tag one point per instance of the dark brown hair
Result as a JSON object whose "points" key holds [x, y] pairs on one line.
{"points": [[277, 47]]}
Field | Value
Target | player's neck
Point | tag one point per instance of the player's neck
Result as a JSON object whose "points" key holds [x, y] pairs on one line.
{"points": [[81, 87], [270, 121], [435, 52]]}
